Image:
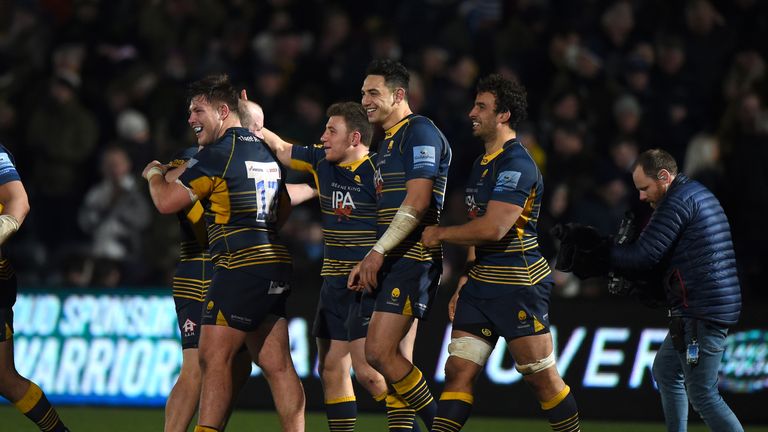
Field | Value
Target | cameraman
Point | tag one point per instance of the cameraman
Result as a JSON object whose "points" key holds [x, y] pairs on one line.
{"points": [[689, 233]]}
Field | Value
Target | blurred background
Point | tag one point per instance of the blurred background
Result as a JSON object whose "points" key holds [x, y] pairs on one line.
{"points": [[92, 90]]}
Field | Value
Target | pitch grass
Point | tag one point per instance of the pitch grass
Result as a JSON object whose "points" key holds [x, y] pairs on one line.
{"points": [[90, 419]]}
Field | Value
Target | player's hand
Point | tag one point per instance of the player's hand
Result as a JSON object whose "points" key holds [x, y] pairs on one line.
{"points": [[353, 281], [369, 270], [431, 236], [154, 167], [455, 297]]}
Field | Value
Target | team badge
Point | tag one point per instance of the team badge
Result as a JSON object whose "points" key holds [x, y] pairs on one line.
{"points": [[395, 293], [522, 315], [486, 332], [209, 306]]}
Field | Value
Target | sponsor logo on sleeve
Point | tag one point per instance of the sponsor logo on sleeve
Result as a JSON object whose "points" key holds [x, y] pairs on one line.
{"points": [[507, 181], [424, 156]]}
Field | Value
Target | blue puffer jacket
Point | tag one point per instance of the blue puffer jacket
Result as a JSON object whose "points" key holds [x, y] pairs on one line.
{"points": [[690, 236]]}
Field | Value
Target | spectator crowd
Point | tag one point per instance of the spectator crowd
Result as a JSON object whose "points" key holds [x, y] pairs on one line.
{"points": [[92, 90]]}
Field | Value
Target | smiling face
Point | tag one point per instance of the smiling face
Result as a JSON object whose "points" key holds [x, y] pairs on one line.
{"points": [[378, 100], [205, 120], [484, 117], [338, 141]]}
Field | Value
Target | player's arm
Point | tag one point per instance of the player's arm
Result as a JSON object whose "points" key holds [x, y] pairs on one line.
{"points": [[168, 197], [463, 278], [15, 203], [300, 192], [492, 226], [278, 145], [284, 208], [411, 211]]}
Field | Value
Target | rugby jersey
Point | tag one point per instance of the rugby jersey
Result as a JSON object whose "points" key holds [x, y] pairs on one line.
{"points": [[413, 148], [511, 176], [239, 183], [347, 203], [8, 174]]}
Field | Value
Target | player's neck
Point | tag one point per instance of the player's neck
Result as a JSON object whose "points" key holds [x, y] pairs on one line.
{"points": [[355, 156], [400, 112], [497, 141], [229, 122]]}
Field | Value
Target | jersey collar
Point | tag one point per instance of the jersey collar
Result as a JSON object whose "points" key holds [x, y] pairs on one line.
{"points": [[389, 133], [489, 157], [352, 166]]}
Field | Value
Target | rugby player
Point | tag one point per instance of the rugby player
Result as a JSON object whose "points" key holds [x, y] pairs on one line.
{"points": [[399, 272], [508, 287], [25, 395], [240, 185], [343, 173]]}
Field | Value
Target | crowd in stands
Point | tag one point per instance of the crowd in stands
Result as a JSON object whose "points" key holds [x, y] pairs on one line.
{"points": [[92, 90]]}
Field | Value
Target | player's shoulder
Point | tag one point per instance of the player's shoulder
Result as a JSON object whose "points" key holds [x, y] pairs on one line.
{"points": [[422, 124], [517, 159]]}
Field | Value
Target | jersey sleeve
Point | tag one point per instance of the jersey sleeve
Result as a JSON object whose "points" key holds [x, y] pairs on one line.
{"points": [[306, 158], [514, 180], [202, 171], [8, 171], [422, 148]]}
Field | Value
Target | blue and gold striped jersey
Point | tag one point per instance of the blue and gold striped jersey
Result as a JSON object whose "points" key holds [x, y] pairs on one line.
{"points": [[348, 205], [8, 174], [8, 171], [413, 148], [509, 175], [193, 273], [239, 183]]}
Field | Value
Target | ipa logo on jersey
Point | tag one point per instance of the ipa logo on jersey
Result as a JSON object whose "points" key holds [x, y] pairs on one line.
{"points": [[342, 204]]}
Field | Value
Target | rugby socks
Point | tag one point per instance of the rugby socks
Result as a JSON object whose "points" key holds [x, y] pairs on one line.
{"points": [[199, 428], [341, 413], [452, 411], [35, 406], [413, 389], [562, 412], [400, 416]]}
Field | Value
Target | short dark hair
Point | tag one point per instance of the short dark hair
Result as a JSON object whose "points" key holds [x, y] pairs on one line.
{"points": [[510, 97], [215, 88], [653, 161], [394, 73], [355, 117]]}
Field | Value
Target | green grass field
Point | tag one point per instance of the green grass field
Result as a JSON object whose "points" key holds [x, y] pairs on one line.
{"points": [[89, 419]]}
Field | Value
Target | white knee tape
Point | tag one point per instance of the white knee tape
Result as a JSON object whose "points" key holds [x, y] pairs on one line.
{"points": [[537, 366], [470, 348]]}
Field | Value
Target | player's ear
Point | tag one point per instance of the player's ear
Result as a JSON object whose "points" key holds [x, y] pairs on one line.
{"points": [[504, 116], [356, 138], [223, 111], [399, 94]]}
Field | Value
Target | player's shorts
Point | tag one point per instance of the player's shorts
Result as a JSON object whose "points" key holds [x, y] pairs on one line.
{"points": [[407, 287], [524, 312], [338, 315], [7, 284], [189, 314], [6, 324], [240, 299], [190, 285]]}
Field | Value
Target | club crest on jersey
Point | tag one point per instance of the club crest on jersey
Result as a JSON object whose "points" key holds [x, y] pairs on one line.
{"points": [[378, 182], [472, 208], [342, 204]]}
